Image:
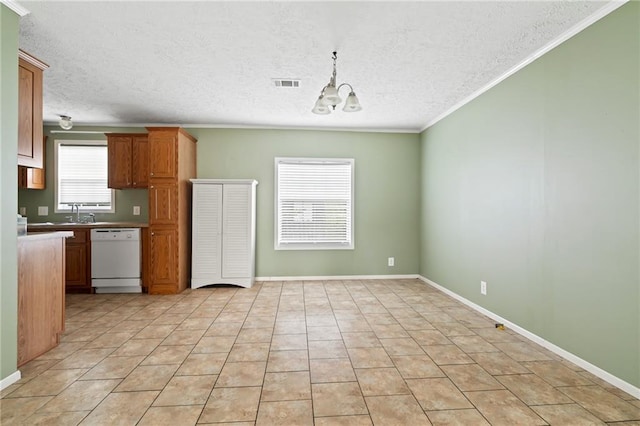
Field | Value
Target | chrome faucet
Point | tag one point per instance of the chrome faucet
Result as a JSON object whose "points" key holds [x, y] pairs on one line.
{"points": [[77, 207]]}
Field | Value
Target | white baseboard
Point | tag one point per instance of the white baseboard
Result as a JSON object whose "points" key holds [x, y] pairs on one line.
{"points": [[341, 277], [10, 379], [597, 371]]}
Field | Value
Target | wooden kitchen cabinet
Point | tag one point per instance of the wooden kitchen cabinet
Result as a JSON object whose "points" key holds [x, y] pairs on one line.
{"points": [[78, 262], [31, 177], [163, 203], [140, 169], [40, 294], [77, 259], [128, 160], [163, 155], [163, 262], [30, 142], [172, 162]]}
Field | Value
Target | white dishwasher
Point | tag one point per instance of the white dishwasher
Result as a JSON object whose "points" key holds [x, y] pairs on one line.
{"points": [[115, 260]]}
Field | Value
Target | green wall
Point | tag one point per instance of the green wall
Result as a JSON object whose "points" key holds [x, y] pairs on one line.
{"points": [[386, 202], [125, 198], [534, 188], [387, 178], [8, 183]]}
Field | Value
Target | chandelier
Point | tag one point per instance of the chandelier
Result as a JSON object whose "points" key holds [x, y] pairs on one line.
{"points": [[329, 96]]}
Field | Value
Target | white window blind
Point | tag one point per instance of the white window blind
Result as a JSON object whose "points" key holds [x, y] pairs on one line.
{"points": [[314, 203], [81, 176]]}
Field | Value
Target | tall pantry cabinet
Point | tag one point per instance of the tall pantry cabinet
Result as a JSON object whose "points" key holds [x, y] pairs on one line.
{"points": [[224, 225], [172, 163]]}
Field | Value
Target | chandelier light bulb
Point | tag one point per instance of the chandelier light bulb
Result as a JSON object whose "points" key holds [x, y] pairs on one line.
{"points": [[320, 108], [331, 97], [352, 104]]}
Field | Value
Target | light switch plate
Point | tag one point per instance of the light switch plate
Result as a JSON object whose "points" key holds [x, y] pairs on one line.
{"points": [[136, 210], [43, 210]]}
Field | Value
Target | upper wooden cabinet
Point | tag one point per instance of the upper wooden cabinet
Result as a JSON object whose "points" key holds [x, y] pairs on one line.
{"points": [[163, 155], [128, 160], [31, 177], [140, 156], [30, 145]]}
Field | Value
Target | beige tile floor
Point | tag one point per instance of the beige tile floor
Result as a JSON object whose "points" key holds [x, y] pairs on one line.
{"points": [[383, 352]]}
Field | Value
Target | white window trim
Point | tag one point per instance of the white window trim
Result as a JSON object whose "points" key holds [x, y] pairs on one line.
{"points": [[313, 246], [86, 209]]}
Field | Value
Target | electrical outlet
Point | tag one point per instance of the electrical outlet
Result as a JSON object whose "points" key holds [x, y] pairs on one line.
{"points": [[23, 211], [136, 210], [391, 261], [43, 211], [483, 287]]}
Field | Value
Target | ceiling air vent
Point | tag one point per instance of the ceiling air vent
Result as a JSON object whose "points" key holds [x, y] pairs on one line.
{"points": [[286, 82]]}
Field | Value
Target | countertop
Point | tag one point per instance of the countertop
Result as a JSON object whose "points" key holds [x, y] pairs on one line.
{"points": [[67, 225], [45, 235]]}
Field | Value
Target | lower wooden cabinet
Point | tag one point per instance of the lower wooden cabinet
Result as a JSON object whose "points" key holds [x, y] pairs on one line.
{"points": [[77, 260], [40, 295], [163, 262]]}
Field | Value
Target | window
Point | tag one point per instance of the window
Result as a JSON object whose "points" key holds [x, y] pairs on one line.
{"points": [[81, 176], [314, 204]]}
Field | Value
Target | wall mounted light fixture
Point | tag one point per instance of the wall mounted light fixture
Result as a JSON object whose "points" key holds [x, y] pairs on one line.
{"points": [[329, 96], [65, 122]]}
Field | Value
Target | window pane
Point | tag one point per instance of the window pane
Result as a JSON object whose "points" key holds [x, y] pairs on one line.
{"points": [[314, 203], [82, 176]]}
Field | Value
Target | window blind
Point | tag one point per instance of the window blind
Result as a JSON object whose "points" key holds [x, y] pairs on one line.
{"points": [[82, 175], [314, 203]]}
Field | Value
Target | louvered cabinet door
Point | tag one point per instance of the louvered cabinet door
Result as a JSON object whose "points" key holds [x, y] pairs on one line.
{"points": [[223, 236], [236, 237], [206, 237]]}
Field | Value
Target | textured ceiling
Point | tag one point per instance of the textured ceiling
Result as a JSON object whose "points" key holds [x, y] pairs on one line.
{"points": [[211, 63]]}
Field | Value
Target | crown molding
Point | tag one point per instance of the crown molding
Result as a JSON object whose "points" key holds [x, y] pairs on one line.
{"points": [[16, 7], [30, 59], [243, 127], [588, 21]]}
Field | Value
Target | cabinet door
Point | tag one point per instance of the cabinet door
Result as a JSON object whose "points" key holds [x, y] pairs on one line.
{"points": [[35, 178], [30, 147], [119, 148], [236, 234], [163, 204], [163, 160], [163, 259], [76, 265], [207, 234], [140, 168], [30, 177]]}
